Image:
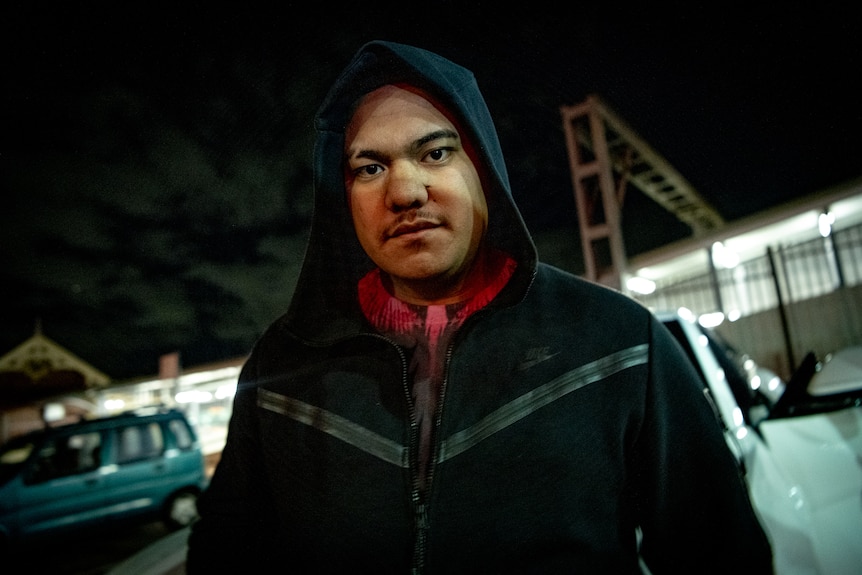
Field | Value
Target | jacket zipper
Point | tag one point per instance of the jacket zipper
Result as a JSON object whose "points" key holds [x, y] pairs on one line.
{"points": [[438, 416], [420, 502], [420, 512], [420, 505]]}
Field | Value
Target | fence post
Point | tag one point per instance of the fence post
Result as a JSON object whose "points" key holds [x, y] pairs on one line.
{"points": [[830, 248], [782, 312]]}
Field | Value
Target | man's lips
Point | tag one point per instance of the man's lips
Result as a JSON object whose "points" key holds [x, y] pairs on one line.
{"points": [[411, 227]]}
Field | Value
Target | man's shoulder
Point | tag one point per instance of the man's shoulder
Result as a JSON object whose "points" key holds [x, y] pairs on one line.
{"points": [[553, 276], [553, 283]]}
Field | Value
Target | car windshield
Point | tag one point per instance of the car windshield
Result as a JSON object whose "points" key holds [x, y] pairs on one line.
{"points": [[14, 454]]}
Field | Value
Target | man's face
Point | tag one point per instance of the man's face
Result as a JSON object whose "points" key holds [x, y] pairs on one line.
{"points": [[414, 193]]}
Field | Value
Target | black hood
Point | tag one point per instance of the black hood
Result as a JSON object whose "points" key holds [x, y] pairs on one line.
{"points": [[324, 305]]}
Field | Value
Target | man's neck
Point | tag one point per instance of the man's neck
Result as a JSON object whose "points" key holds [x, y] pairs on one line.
{"points": [[389, 314], [444, 290]]}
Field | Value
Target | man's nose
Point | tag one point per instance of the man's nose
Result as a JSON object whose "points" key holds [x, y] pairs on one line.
{"points": [[405, 187]]}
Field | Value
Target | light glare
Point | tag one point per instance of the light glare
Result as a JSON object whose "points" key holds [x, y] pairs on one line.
{"points": [[114, 404], [640, 285], [194, 396], [723, 257], [709, 320], [824, 223]]}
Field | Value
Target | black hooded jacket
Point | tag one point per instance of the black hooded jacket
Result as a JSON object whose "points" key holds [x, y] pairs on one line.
{"points": [[572, 434]]}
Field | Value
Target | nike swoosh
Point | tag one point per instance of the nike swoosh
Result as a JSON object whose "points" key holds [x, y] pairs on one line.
{"points": [[525, 365]]}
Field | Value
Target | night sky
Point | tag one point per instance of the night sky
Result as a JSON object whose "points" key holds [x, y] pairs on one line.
{"points": [[156, 166]]}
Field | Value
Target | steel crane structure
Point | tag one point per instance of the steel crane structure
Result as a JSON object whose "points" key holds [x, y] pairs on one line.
{"points": [[605, 155]]}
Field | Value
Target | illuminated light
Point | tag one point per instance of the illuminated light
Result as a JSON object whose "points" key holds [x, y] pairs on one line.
{"points": [[755, 382], [774, 383], [209, 376], [737, 417], [709, 320], [702, 341], [53, 412], [225, 391], [114, 404], [733, 315], [640, 285], [824, 223], [649, 273], [748, 364], [723, 257], [742, 433], [193, 396], [685, 313]]}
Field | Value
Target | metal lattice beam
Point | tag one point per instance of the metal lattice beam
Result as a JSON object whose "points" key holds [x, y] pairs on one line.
{"points": [[605, 155]]}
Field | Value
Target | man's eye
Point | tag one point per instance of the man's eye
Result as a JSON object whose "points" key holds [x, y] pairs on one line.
{"points": [[438, 154], [367, 171]]}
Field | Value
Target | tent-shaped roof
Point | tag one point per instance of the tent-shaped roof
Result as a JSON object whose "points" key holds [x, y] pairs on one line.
{"points": [[39, 367]]}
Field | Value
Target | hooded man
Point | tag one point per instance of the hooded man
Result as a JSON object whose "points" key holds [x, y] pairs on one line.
{"points": [[436, 400]]}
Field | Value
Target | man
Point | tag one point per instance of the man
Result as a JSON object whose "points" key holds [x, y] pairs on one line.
{"points": [[437, 401]]}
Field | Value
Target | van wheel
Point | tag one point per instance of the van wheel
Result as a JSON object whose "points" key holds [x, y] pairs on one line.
{"points": [[181, 509]]}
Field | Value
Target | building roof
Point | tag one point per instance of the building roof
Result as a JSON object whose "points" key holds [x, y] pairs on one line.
{"points": [[793, 222], [39, 356]]}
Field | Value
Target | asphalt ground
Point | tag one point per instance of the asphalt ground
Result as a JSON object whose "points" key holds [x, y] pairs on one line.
{"points": [[86, 554]]}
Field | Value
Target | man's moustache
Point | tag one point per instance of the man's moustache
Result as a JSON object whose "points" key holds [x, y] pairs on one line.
{"points": [[413, 222]]}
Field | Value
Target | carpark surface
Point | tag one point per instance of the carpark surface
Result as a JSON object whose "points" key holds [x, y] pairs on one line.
{"points": [[91, 554]]}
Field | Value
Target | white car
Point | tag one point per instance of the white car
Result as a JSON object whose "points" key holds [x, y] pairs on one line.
{"points": [[801, 453]]}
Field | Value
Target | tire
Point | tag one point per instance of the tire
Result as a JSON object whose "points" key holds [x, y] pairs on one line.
{"points": [[181, 509]]}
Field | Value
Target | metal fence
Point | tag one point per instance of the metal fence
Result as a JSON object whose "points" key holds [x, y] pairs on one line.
{"points": [[790, 300], [782, 275]]}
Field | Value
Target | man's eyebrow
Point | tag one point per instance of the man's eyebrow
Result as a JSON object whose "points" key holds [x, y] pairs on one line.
{"points": [[435, 135], [415, 145], [367, 155]]}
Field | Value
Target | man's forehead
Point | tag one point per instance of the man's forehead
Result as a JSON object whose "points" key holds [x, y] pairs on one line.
{"points": [[429, 105], [386, 100], [394, 114], [393, 98]]}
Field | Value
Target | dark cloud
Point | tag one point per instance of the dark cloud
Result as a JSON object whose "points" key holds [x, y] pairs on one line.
{"points": [[156, 168]]}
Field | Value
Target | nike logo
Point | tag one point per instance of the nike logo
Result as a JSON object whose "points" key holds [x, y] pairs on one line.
{"points": [[535, 356]]}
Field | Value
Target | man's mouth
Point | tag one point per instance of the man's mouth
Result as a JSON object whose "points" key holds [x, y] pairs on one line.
{"points": [[412, 227]]}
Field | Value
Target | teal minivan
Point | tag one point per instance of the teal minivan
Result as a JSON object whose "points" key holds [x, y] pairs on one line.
{"points": [[135, 467]]}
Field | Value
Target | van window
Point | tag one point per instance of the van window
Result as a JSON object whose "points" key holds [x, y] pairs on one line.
{"points": [[66, 455], [13, 456], [181, 432], [139, 442]]}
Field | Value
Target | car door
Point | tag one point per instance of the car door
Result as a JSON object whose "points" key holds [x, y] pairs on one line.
{"points": [[62, 487], [138, 482]]}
